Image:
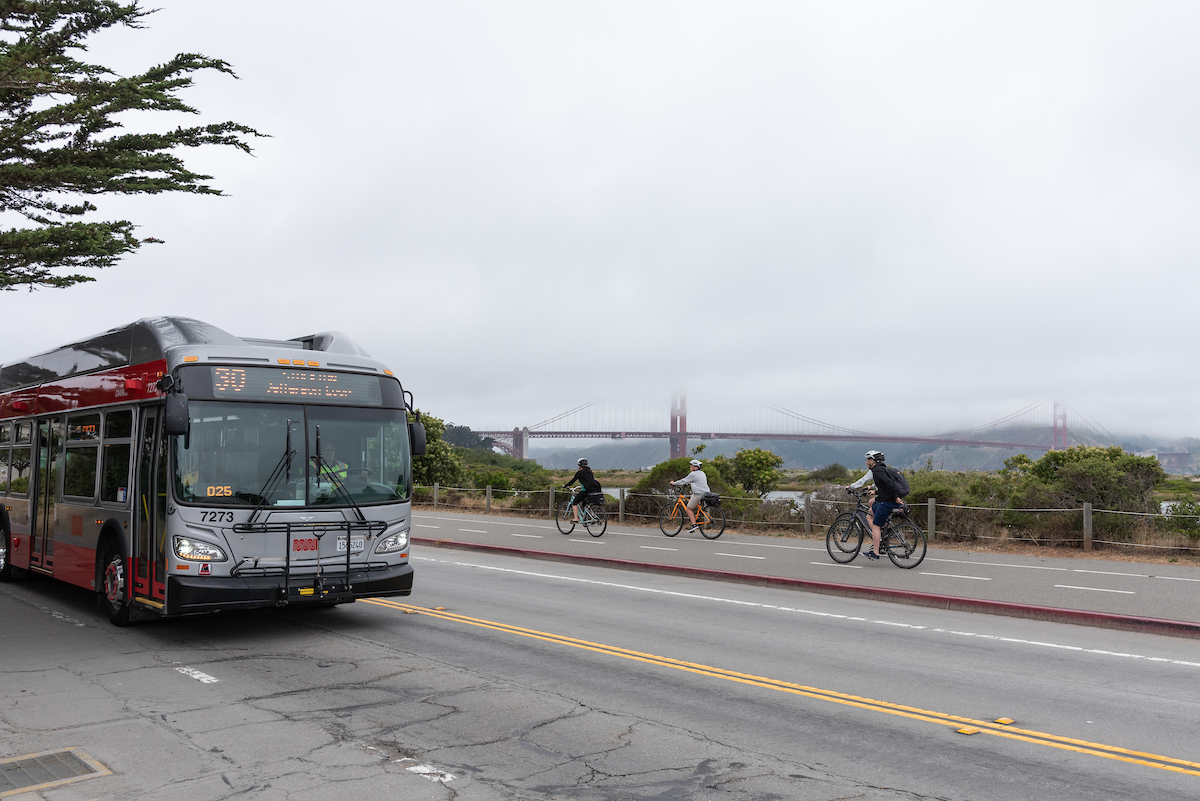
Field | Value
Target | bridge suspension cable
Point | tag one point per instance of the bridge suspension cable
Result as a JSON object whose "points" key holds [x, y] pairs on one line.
{"points": [[567, 413], [811, 421], [1003, 420]]}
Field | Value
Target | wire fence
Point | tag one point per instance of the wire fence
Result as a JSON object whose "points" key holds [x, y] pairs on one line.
{"points": [[812, 514]]}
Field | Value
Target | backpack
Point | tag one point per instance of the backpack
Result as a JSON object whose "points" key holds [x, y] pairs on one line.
{"points": [[899, 480]]}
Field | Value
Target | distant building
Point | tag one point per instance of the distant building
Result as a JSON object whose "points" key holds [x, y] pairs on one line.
{"points": [[1174, 462]]}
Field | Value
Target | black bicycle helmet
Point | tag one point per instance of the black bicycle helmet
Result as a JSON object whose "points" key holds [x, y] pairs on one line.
{"points": [[875, 456]]}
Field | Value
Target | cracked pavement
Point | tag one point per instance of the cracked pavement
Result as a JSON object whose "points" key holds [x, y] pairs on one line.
{"points": [[312, 702]]}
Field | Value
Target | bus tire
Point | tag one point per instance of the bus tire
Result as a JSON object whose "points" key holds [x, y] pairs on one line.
{"points": [[8, 572], [6, 568], [114, 583]]}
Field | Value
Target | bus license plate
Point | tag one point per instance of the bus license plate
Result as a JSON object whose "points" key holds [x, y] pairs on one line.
{"points": [[356, 544]]}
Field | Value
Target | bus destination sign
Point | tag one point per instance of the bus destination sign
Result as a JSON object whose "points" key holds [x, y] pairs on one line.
{"points": [[268, 383]]}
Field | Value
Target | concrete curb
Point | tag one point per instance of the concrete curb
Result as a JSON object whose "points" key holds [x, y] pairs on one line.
{"points": [[1105, 620]]}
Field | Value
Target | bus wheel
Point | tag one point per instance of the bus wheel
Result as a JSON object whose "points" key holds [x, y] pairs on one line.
{"points": [[114, 594], [6, 568]]}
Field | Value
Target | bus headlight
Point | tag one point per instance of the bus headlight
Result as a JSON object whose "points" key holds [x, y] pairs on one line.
{"points": [[393, 542], [197, 551]]}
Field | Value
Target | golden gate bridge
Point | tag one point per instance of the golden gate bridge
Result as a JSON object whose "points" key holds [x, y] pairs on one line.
{"points": [[1041, 426]]}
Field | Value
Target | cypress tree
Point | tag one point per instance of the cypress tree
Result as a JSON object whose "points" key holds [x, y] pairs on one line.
{"points": [[61, 142]]}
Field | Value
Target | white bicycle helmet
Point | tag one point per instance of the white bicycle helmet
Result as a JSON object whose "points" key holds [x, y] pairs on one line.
{"points": [[694, 463], [582, 463], [875, 456]]}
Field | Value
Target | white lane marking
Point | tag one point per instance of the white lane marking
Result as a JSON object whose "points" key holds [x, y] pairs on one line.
{"points": [[812, 613], [835, 564], [472, 531], [772, 545], [1058, 569], [54, 613], [422, 525], [533, 536], [738, 555], [490, 522], [952, 575], [656, 548], [1094, 589], [588, 542], [199, 676], [1109, 573]]}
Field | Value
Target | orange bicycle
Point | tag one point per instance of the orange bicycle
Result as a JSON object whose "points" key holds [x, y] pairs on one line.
{"points": [[710, 517]]}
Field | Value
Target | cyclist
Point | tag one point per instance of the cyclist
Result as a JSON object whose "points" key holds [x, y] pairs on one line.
{"points": [[699, 483], [887, 498], [587, 485]]}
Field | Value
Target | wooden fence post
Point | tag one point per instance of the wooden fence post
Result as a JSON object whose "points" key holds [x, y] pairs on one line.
{"points": [[1087, 527], [932, 522], [808, 513], [488, 502], [552, 503], [435, 494], [621, 506]]}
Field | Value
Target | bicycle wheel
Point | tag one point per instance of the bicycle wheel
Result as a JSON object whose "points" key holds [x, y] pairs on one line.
{"points": [[712, 521], [906, 546], [596, 520], [564, 519], [844, 539], [670, 519]]}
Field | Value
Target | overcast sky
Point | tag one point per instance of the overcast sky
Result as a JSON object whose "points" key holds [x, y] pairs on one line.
{"points": [[895, 217]]}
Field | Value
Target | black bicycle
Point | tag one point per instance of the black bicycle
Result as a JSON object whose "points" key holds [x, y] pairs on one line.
{"points": [[901, 539]]}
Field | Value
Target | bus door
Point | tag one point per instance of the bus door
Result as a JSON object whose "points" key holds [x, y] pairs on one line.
{"points": [[42, 514], [149, 554]]}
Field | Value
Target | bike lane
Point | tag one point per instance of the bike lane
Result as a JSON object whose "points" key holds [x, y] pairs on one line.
{"points": [[1139, 596]]}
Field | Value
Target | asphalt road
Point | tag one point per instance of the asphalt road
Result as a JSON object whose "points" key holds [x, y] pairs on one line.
{"points": [[1168, 592], [508, 678]]}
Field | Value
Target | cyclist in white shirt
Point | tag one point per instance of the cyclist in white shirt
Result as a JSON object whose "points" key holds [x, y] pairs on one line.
{"points": [[699, 483]]}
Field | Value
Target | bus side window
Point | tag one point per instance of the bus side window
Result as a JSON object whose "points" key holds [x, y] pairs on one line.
{"points": [[5, 440], [19, 459], [114, 471], [79, 475]]}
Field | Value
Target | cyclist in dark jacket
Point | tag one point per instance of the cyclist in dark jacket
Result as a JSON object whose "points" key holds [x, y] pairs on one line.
{"points": [[887, 498], [587, 484]]}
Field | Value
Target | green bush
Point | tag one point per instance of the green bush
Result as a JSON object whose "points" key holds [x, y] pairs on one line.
{"points": [[833, 473]]}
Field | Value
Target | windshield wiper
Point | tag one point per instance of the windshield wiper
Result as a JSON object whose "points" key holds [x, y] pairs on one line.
{"points": [[282, 467], [326, 469]]}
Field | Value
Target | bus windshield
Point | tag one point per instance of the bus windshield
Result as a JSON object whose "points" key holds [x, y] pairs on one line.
{"points": [[232, 449]]}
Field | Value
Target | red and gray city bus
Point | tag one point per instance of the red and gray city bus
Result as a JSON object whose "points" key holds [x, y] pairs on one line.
{"points": [[177, 469]]}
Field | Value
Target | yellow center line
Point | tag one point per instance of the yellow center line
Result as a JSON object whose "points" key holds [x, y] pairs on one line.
{"points": [[869, 704]]}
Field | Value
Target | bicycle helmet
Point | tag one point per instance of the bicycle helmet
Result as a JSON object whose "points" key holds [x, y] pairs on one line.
{"points": [[875, 456], [582, 463], [694, 463]]}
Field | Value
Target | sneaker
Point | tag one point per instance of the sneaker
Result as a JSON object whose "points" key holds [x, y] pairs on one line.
{"points": [[871, 555], [693, 528]]}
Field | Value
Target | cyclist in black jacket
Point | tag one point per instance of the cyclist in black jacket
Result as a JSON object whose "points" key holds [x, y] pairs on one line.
{"points": [[887, 498], [587, 484]]}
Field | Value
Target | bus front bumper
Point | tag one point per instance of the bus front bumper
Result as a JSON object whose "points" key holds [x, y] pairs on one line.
{"points": [[194, 594]]}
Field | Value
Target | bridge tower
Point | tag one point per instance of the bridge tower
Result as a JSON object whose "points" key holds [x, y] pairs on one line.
{"points": [[520, 440], [678, 425], [1060, 427]]}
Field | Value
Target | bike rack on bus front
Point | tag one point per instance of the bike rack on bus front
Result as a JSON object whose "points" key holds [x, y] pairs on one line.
{"points": [[320, 588]]}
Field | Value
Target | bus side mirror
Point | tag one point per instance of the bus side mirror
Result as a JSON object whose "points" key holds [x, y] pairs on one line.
{"points": [[416, 435], [175, 418]]}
